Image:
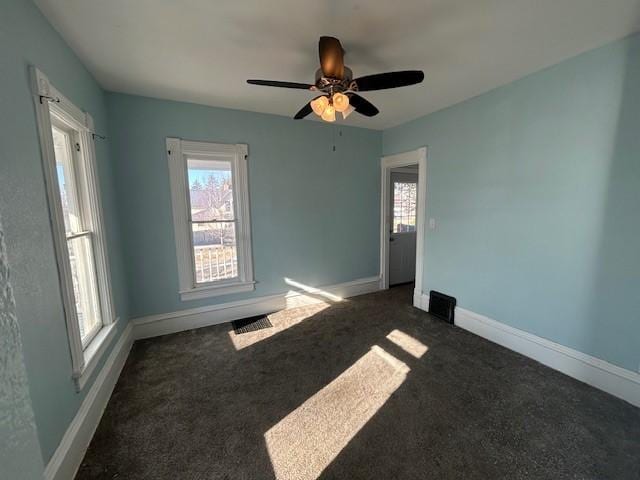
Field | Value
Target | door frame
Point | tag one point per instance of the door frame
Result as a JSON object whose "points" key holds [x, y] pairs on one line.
{"points": [[388, 162]]}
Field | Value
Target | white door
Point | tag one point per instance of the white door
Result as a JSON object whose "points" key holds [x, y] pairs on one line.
{"points": [[402, 237]]}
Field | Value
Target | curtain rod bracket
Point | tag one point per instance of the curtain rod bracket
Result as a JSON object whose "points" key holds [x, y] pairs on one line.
{"points": [[49, 99]]}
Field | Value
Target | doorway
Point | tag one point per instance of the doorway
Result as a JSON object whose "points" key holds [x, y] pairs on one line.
{"points": [[403, 202], [402, 232]]}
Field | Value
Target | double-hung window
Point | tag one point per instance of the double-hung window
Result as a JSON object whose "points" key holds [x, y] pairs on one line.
{"points": [[210, 198], [78, 229], [68, 155]]}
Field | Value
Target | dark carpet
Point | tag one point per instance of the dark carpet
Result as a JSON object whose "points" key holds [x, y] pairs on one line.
{"points": [[347, 391]]}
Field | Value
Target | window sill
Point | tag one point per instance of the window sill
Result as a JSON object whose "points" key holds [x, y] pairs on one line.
{"points": [[213, 291], [94, 352]]}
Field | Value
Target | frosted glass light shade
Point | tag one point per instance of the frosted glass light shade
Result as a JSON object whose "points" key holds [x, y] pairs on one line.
{"points": [[319, 105], [329, 114], [340, 102]]}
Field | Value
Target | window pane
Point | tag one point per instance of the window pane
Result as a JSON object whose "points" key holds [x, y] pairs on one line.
{"points": [[404, 207], [64, 168], [85, 288], [210, 190], [214, 251]]}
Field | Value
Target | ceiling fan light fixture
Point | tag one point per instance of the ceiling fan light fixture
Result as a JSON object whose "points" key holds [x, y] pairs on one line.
{"points": [[347, 111], [319, 105], [337, 87], [340, 102], [329, 114]]}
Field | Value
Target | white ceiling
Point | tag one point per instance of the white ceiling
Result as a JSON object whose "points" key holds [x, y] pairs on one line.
{"points": [[202, 51]]}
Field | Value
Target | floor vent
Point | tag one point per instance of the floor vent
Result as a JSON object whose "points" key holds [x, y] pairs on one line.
{"points": [[251, 324], [442, 306]]}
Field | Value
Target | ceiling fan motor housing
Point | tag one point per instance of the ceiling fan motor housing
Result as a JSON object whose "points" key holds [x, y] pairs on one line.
{"points": [[332, 85]]}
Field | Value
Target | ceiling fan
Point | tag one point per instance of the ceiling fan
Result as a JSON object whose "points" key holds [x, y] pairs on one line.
{"points": [[338, 87]]}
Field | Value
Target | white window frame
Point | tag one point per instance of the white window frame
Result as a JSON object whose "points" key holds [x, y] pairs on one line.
{"points": [[48, 102], [178, 151]]}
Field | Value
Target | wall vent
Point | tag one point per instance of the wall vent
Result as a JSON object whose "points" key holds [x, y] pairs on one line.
{"points": [[442, 306]]}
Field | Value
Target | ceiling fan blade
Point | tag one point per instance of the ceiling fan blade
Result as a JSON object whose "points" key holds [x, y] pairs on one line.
{"points": [[362, 105], [331, 57], [304, 111], [382, 81], [275, 83]]}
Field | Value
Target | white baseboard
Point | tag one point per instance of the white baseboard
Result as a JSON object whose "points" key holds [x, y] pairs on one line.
{"points": [[165, 323], [67, 458], [617, 381], [420, 301]]}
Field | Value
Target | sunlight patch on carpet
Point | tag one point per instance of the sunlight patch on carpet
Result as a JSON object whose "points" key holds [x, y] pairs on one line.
{"points": [[280, 321], [409, 344], [307, 440]]}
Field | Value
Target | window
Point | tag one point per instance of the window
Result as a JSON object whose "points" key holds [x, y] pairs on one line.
{"points": [[404, 207], [215, 253], [76, 219], [77, 231], [211, 218]]}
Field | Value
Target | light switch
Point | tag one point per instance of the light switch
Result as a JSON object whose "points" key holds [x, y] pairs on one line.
{"points": [[432, 223]]}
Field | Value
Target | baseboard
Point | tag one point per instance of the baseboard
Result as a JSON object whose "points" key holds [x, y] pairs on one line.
{"points": [[617, 381], [420, 301], [166, 323], [67, 458]]}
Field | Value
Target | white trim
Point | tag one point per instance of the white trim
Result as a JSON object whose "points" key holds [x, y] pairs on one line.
{"points": [[41, 86], [68, 456], [197, 293], [421, 301], [49, 101], [177, 149], [165, 323], [94, 202], [388, 163], [94, 352], [177, 179], [409, 170], [617, 381]]}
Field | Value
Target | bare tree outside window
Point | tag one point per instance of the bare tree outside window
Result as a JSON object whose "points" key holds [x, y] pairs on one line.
{"points": [[213, 221], [404, 207]]}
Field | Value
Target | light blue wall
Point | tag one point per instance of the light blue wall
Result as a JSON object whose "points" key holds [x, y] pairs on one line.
{"points": [[314, 212], [19, 447], [535, 187], [27, 38]]}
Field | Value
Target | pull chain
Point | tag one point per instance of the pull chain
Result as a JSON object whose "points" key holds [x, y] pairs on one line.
{"points": [[333, 134]]}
